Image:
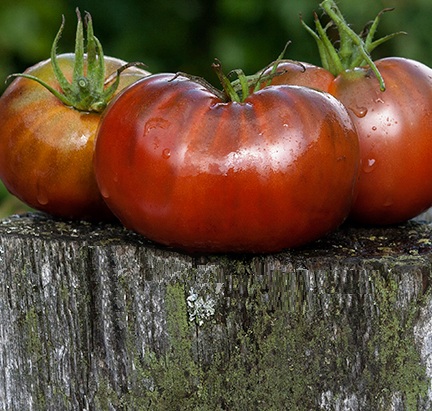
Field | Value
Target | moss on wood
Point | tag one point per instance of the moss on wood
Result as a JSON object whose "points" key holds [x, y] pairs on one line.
{"points": [[99, 317]]}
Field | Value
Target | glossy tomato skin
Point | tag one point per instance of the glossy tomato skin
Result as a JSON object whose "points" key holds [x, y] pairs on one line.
{"points": [[187, 170], [395, 132], [46, 148]]}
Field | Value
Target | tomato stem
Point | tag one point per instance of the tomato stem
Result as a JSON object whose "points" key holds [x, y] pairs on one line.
{"points": [[89, 89], [230, 93], [351, 43], [263, 80], [354, 49], [239, 89]]}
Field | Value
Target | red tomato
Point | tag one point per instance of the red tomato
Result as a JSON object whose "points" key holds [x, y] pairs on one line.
{"points": [[390, 103], [188, 170], [395, 132], [46, 147]]}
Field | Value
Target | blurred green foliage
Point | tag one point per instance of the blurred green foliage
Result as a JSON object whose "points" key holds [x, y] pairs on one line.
{"points": [[186, 35]]}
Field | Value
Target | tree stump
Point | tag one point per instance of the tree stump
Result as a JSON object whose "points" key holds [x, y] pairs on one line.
{"points": [[94, 317]]}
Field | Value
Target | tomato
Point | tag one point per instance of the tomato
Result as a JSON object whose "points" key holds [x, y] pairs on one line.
{"points": [[46, 146], [390, 103], [395, 132], [187, 169]]}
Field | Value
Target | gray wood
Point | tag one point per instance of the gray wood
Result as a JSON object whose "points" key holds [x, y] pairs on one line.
{"points": [[94, 317]]}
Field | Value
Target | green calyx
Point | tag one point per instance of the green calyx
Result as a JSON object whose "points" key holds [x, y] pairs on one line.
{"points": [[241, 88], [238, 90], [354, 49], [90, 91]]}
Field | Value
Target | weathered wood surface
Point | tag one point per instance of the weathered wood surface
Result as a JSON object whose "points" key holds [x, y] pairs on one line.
{"points": [[93, 317]]}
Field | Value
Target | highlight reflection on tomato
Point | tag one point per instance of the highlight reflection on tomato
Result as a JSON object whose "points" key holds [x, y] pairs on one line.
{"points": [[189, 170]]}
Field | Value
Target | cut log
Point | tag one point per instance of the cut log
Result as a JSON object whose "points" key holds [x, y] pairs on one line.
{"points": [[94, 317]]}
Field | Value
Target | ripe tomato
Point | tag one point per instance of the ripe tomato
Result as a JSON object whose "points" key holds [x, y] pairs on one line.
{"points": [[395, 132], [46, 146], [390, 103], [189, 170]]}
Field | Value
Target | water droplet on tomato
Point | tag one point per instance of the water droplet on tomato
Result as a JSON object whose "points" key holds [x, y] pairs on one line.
{"points": [[374, 128], [104, 192], [166, 153], [42, 198], [369, 165], [359, 111]]}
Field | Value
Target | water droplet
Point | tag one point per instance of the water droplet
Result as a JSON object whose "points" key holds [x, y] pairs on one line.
{"points": [[166, 153], [369, 165], [104, 192], [42, 198], [359, 111], [374, 128]]}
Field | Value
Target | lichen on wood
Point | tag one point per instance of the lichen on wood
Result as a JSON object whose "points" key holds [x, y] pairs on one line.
{"points": [[95, 317]]}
